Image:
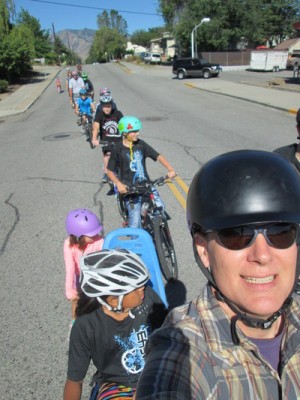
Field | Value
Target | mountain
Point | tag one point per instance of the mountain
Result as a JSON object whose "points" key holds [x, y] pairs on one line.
{"points": [[79, 41]]}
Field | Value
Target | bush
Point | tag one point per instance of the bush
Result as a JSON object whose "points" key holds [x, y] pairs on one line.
{"points": [[3, 85]]}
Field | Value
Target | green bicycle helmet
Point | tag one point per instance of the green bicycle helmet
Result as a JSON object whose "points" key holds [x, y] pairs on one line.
{"points": [[84, 76], [129, 124]]}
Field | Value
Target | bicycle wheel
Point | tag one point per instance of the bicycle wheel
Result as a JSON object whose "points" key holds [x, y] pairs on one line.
{"points": [[122, 208], [165, 248], [89, 134]]}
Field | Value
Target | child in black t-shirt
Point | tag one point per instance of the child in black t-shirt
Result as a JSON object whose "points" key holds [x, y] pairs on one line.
{"points": [[129, 159], [106, 126], [115, 316]]}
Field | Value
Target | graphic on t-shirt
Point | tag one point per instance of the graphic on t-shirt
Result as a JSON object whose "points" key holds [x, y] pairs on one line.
{"points": [[136, 165], [133, 357], [111, 128]]}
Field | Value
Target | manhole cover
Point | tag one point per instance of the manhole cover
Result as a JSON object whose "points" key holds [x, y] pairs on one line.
{"points": [[1, 120], [61, 136]]}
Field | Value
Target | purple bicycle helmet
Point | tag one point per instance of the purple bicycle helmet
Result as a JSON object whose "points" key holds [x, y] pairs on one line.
{"points": [[83, 222]]}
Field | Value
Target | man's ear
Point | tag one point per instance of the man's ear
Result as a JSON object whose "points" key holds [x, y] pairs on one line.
{"points": [[200, 242]]}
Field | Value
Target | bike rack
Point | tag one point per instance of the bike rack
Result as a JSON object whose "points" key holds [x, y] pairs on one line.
{"points": [[140, 242]]}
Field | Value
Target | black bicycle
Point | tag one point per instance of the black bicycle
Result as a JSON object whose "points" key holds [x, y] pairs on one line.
{"points": [[88, 128], [155, 221]]}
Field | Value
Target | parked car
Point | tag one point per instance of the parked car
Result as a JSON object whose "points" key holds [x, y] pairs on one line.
{"points": [[195, 67], [152, 58], [293, 60]]}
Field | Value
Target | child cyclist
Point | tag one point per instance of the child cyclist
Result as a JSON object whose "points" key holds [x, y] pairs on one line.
{"points": [[116, 313], [83, 228], [106, 125], [84, 106], [129, 159], [58, 84]]}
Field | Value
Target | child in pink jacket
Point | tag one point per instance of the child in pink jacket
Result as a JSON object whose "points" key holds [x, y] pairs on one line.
{"points": [[83, 228]]}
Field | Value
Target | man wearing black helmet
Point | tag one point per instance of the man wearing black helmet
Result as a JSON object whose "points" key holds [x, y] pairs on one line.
{"points": [[240, 338], [292, 151]]}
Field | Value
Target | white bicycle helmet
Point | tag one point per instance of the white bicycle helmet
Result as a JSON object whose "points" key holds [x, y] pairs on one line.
{"points": [[112, 273], [105, 96]]}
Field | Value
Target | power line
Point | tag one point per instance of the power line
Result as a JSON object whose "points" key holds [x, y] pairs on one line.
{"points": [[95, 8]]}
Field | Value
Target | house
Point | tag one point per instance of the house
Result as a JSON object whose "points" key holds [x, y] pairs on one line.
{"points": [[291, 45], [164, 45]]}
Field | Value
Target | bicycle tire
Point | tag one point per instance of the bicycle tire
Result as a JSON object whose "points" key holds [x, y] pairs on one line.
{"points": [[89, 134], [165, 248], [122, 208]]}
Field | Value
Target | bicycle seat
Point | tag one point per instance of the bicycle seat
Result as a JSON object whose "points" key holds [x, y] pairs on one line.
{"points": [[140, 242]]}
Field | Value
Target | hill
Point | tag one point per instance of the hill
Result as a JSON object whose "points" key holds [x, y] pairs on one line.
{"points": [[79, 41]]}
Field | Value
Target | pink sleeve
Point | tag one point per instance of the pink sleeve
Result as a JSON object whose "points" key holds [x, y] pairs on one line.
{"points": [[71, 292]]}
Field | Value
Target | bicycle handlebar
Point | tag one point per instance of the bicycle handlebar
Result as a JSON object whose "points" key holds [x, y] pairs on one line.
{"points": [[145, 186]]}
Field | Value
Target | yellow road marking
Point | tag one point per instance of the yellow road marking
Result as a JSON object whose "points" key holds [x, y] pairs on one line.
{"points": [[177, 194]]}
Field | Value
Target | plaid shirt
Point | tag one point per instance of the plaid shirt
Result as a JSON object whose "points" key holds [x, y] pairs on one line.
{"points": [[193, 357]]}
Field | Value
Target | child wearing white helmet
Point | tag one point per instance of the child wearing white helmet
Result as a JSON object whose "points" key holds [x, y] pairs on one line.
{"points": [[115, 315]]}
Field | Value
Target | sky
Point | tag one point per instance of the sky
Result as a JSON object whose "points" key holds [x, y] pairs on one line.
{"points": [[79, 14]]}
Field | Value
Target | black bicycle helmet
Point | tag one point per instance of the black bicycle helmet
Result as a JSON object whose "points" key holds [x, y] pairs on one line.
{"points": [[244, 187]]}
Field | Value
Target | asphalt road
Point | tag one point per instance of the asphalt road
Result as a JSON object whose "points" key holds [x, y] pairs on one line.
{"points": [[47, 169]]}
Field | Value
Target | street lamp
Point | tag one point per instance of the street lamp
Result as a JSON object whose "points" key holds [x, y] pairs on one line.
{"points": [[192, 36]]}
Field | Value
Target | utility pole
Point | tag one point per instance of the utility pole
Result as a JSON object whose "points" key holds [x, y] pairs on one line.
{"points": [[56, 49]]}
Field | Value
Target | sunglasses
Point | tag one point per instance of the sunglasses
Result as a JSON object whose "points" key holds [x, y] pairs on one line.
{"points": [[279, 235]]}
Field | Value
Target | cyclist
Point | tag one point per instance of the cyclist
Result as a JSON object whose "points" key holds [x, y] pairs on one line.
{"points": [[292, 151], [83, 228], [84, 106], [240, 338], [104, 93], [58, 84], [88, 85], [75, 84], [69, 76], [106, 125], [128, 157], [116, 313]]}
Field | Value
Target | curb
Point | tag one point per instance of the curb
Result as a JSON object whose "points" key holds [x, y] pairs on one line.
{"points": [[289, 110]]}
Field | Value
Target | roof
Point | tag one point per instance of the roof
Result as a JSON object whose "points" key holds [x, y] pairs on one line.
{"points": [[286, 44]]}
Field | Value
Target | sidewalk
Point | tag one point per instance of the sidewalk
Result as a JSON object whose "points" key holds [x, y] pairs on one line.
{"points": [[280, 98], [26, 95]]}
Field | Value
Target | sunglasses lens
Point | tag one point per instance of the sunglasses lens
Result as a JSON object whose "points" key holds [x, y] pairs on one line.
{"points": [[236, 238], [280, 236]]}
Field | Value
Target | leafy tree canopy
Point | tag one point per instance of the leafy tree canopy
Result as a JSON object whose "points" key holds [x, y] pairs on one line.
{"points": [[254, 21], [41, 37], [112, 20], [107, 44], [142, 37]]}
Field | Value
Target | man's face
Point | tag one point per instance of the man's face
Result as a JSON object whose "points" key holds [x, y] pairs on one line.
{"points": [[257, 279], [75, 76]]}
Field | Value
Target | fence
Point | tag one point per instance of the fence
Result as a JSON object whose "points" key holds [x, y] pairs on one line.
{"points": [[227, 58]]}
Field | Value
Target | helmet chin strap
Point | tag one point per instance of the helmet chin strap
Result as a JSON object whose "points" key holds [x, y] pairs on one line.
{"points": [[247, 320], [117, 309]]}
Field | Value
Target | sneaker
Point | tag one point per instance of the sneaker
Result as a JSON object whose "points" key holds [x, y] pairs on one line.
{"points": [[105, 178], [82, 130]]}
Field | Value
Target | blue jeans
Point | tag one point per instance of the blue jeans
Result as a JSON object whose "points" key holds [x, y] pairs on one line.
{"points": [[133, 206]]}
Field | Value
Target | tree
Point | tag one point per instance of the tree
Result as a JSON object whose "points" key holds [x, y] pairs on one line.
{"points": [[7, 13], [41, 37], [16, 52], [142, 37], [107, 44], [254, 20], [113, 21]]}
